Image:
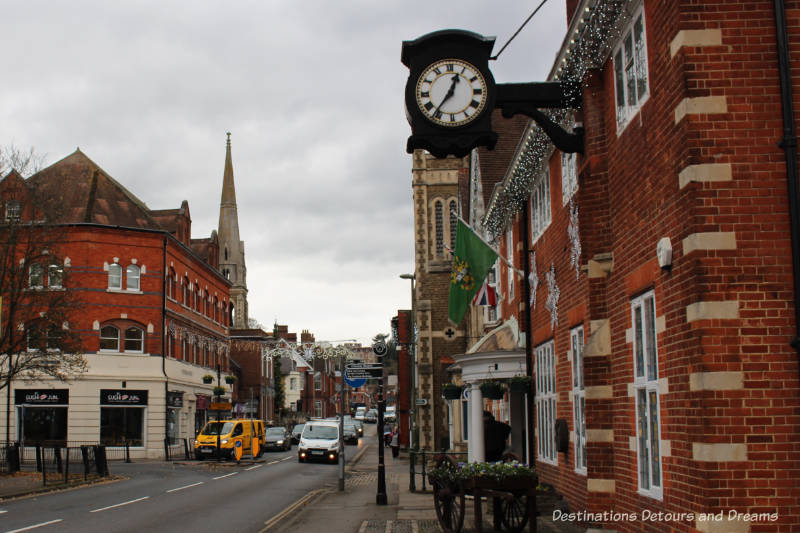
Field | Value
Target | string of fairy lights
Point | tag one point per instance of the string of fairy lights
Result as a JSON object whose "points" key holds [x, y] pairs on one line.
{"points": [[593, 32]]}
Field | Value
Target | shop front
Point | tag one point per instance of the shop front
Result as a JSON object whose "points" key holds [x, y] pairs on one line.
{"points": [[122, 417], [42, 416]]}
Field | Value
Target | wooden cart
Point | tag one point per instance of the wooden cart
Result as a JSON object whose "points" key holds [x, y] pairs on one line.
{"points": [[513, 500]]}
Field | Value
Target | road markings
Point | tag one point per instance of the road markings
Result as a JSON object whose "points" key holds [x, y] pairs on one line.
{"points": [[2, 511], [287, 458], [186, 487], [254, 467], [35, 526], [273, 462], [292, 508], [226, 475], [120, 504]]}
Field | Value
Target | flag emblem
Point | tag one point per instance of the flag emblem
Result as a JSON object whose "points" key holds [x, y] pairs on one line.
{"points": [[460, 275]]}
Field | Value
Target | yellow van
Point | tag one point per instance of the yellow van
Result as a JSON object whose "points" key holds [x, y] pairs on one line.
{"points": [[233, 433]]}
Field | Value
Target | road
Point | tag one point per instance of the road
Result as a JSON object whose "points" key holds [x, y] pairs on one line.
{"points": [[184, 496]]}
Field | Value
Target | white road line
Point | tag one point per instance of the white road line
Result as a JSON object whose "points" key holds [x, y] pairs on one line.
{"points": [[254, 467], [273, 462], [186, 487], [287, 458], [226, 475], [1, 511], [121, 504], [35, 526]]}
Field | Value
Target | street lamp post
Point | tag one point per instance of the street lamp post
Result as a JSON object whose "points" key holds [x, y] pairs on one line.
{"points": [[413, 441]]}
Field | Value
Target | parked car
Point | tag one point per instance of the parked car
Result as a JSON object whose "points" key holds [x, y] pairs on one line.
{"points": [[236, 433], [359, 427], [319, 440], [371, 417], [277, 438], [296, 431], [350, 434]]}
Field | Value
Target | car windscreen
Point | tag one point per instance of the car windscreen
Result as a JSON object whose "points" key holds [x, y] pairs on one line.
{"points": [[213, 428], [275, 431], [320, 432]]}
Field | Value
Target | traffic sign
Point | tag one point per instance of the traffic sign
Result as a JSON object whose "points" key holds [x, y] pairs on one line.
{"points": [[363, 372], [354, 383]]}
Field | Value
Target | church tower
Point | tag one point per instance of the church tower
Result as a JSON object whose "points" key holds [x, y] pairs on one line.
{"points": [[231, 249]]}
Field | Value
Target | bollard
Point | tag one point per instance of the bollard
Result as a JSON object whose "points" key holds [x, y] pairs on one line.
{"points": [[186, 448]]}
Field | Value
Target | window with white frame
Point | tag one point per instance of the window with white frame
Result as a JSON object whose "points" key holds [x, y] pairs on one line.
{"points": [[540, 205], [132, 275], [492, 311], [569, 176], [109, 338], [292, 384], [630, 70], [13, 211], [578, 398], [546, 402], [134, 340], [36, 276], [510, 265], [114, 276], [317, 380], [318, 408], [55, 276], [645, 383]]}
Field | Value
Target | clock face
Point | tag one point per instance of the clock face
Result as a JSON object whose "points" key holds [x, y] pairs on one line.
{"points": [[451, 92]]}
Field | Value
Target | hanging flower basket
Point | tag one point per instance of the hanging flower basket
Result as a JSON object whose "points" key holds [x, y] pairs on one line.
{"points": [[451, 391], [492, 390], [219, 391], [519, 384], [208, 378], [230, 379]]}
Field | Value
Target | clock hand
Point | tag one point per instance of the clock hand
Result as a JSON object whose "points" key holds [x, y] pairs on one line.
{"points": [[450, 92]]}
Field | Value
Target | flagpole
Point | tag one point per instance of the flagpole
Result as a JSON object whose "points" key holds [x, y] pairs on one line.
{"points": [[484, 241]]}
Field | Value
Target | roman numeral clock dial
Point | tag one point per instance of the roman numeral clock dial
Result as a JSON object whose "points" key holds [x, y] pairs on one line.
{"points": [[451, 92]]}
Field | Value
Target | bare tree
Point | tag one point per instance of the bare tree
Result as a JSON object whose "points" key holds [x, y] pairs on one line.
{"points": [[25, 162], [36, 301]]}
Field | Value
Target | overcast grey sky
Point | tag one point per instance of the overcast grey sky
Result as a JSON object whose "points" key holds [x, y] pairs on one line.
{"points": [[312, 93]]}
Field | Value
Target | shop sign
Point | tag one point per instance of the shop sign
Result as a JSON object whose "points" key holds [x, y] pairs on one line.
{"points": [[202, 402], [175, 399], [123, 397], [41, 396]]}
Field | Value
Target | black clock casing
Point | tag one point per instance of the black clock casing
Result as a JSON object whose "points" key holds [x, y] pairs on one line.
{"points": [[441, 140]]}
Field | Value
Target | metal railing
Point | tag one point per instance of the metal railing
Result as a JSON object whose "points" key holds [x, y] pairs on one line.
{"points": [[58, 464], [176, 449], [427, 460]]}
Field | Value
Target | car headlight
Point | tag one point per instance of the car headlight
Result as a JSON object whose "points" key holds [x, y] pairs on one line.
{"points": [[279, 442], [224, 441], [196, 442]]}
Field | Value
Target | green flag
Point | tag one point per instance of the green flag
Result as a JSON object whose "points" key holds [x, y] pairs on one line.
{"points": [[472, 260]]}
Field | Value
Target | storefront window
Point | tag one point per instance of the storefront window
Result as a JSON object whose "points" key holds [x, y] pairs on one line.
{"points": [[43, 424], [173, 425], [120, 425]]}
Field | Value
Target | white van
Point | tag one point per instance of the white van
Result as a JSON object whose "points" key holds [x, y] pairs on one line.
{"points": [[360, 412], [319, 440]]}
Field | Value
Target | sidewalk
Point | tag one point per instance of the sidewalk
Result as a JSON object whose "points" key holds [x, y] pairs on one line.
{"points": [[355, 510]]}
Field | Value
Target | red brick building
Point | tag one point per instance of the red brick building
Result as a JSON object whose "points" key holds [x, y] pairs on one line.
{"points": [[152, 312], [664, 322]]}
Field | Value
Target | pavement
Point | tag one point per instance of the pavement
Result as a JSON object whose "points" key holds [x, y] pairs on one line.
{"points": [[354, 509]]}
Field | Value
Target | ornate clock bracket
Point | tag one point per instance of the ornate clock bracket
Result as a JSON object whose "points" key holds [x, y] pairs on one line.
{"points": [[527, 98]]}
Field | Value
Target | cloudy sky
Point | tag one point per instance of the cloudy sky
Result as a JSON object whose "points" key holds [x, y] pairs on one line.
{"points": [[312, 93]]}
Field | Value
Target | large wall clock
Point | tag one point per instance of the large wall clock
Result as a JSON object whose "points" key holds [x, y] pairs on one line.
{"points": [[450, 92]]}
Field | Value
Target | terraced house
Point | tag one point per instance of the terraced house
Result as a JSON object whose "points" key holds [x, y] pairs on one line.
{"points": [[142, 302]]}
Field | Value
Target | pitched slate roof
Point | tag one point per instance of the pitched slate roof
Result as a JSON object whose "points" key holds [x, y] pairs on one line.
{"points": [[76, 189]]}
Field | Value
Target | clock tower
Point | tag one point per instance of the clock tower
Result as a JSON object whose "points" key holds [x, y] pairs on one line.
{"points": [[231, 248]]}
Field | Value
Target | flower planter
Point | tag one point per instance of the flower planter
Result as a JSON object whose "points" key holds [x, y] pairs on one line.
{"points": [[219, 391], [230, 379], [492, 390], [208, 379], [452, 392]]}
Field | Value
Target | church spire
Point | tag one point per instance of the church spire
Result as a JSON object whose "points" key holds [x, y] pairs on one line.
{"points": [[231, 248]]}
